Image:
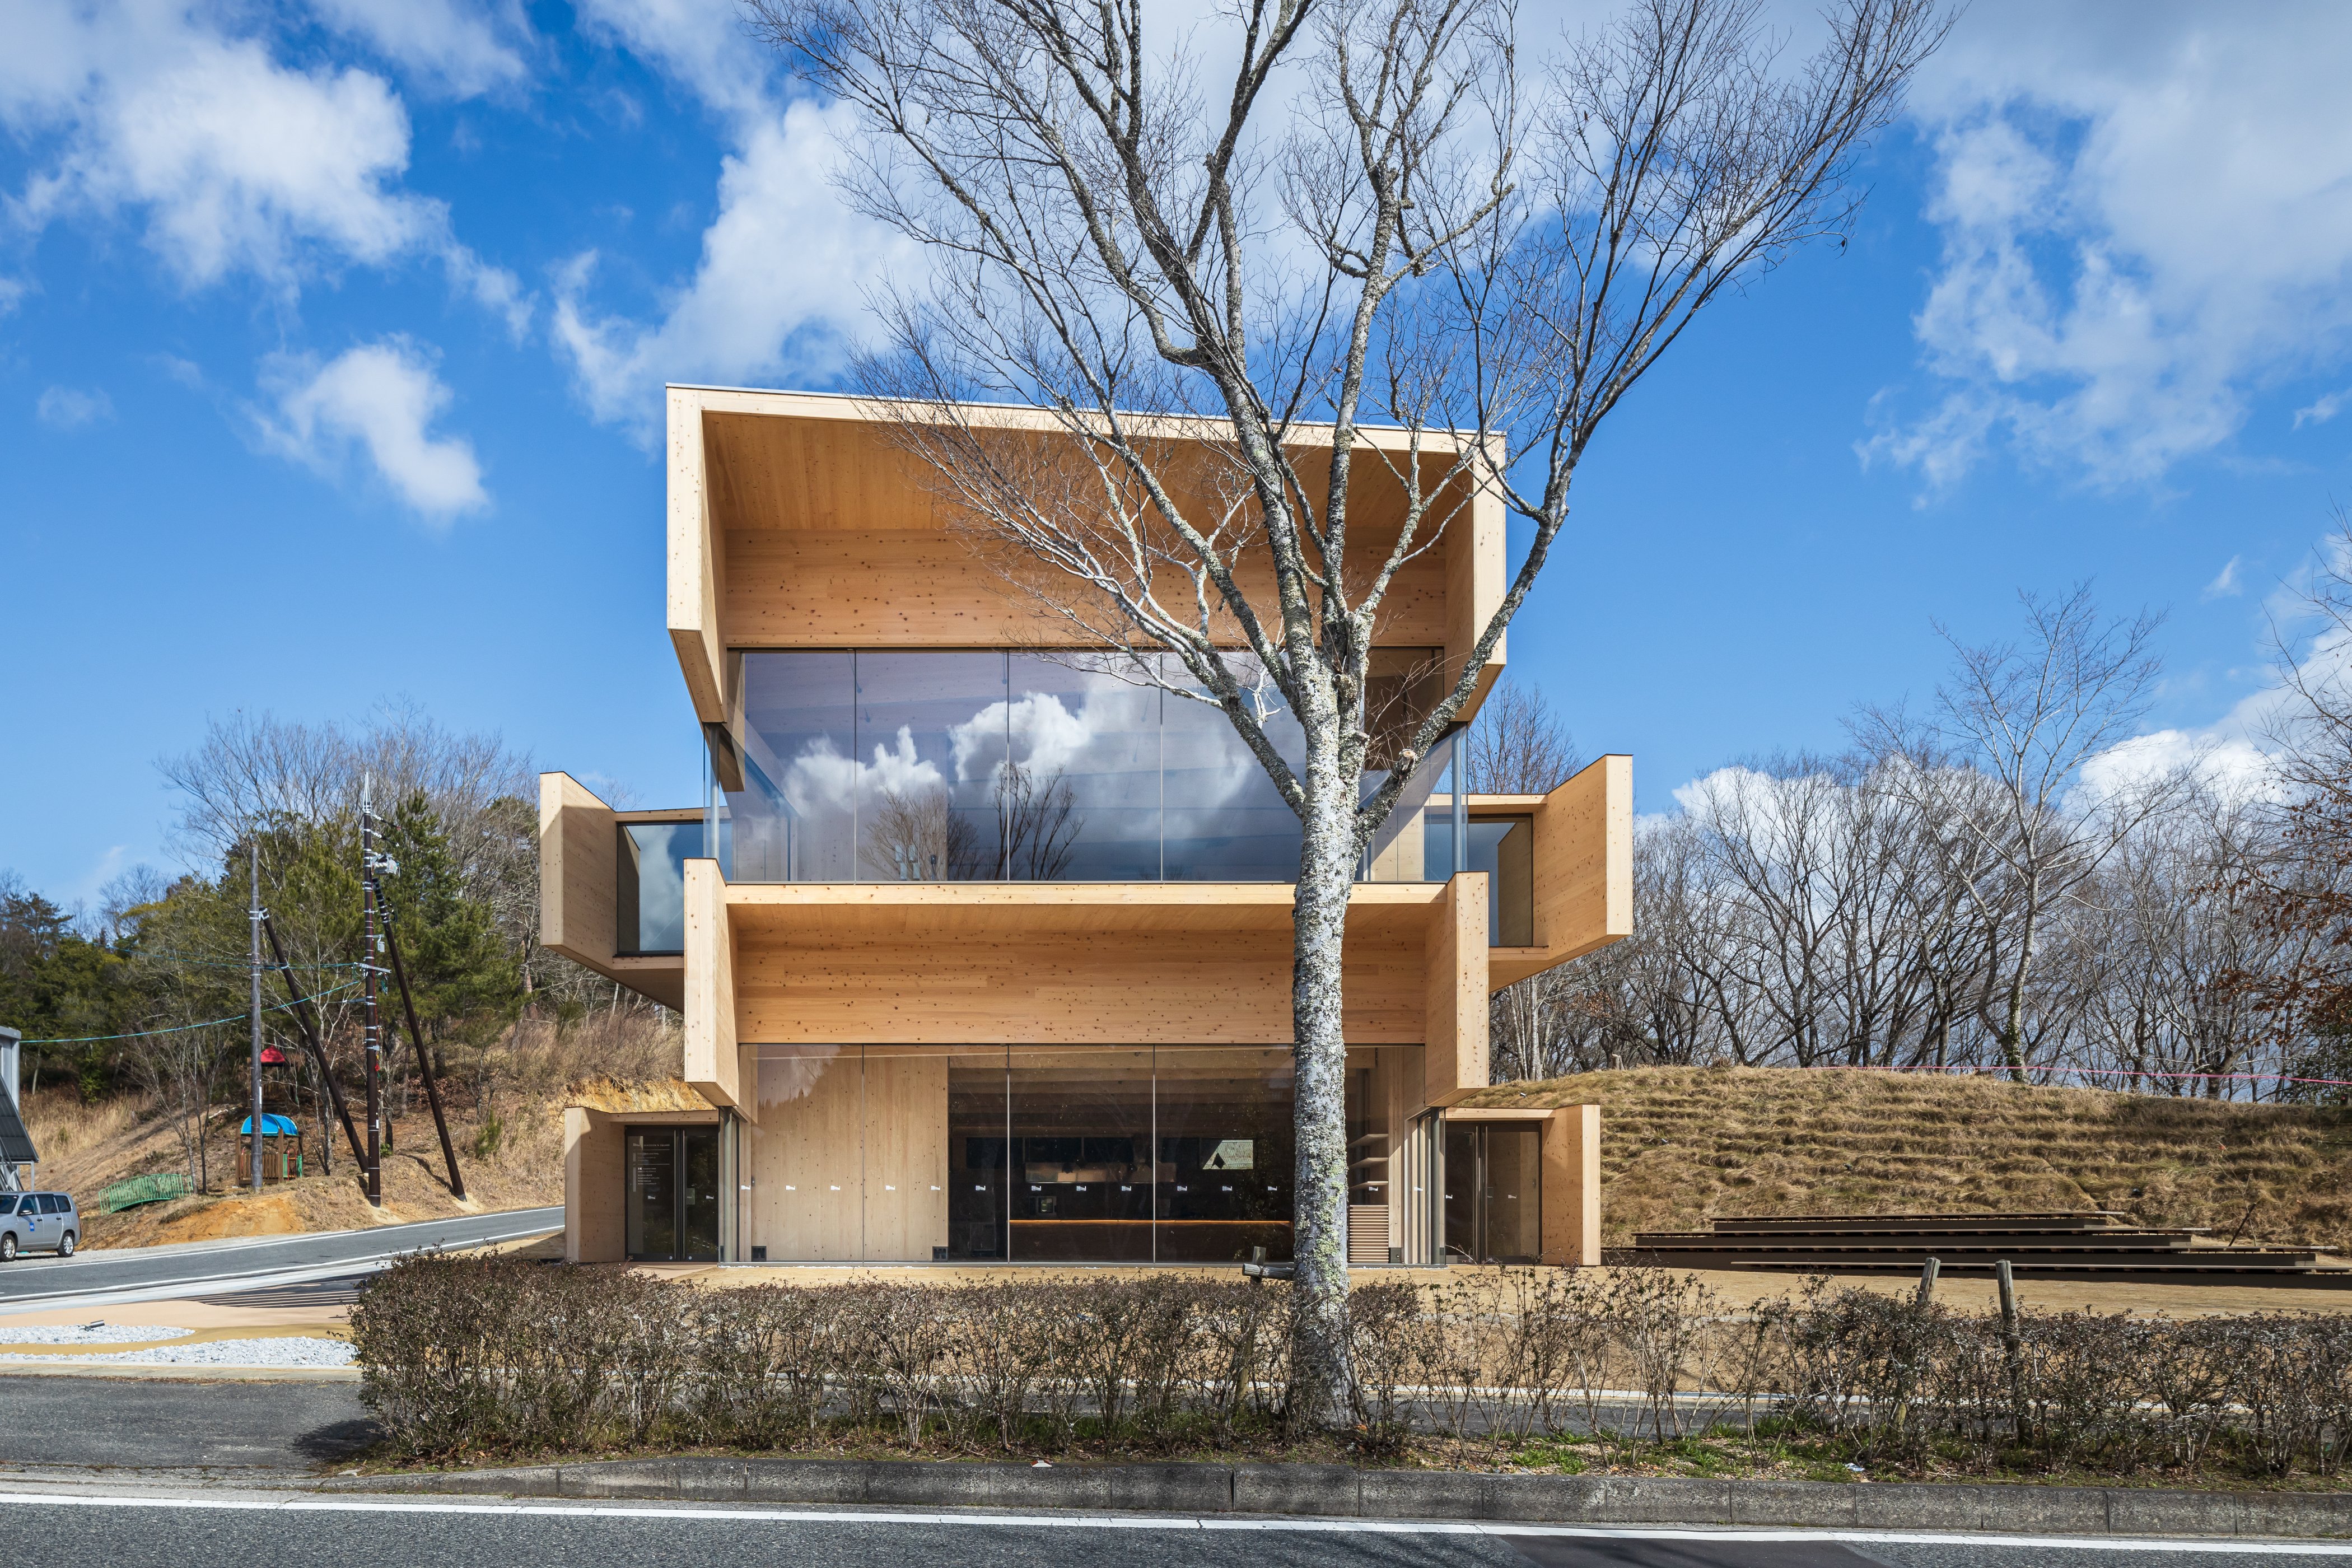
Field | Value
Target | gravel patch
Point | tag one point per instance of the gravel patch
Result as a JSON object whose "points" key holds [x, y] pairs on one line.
{"points": [[104, 1334], [293, 1351]]}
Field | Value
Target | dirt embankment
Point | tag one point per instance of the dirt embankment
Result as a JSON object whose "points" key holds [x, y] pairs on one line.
{"points": [[85, 1148], [1682, 1144]]}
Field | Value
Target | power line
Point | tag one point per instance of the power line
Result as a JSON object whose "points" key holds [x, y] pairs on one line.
{"points": [[183, 1028]]}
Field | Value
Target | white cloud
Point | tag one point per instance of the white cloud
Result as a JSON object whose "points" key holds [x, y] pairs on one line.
{"points": [[453, 45], [2144, 224], [235, 162], [2225, 584], [383, 398], [2229, 765], [778, 293], [2321, 410], [68, 408]]}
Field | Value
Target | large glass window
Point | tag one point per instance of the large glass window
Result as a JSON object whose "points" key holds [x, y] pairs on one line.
{"points": [[998, 766], [1082, 1154], [1081, 1122], [1503, 847], [650, 900], [1226, 1162]]}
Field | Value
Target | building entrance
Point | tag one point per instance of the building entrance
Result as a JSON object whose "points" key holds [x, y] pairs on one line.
{"points": [[672, 1203], [1494, 1204]]}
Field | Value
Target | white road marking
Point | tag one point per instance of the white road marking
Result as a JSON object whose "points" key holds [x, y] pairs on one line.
{"points": [[303, 1503]]}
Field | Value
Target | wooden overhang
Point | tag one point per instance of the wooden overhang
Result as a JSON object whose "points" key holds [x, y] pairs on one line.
{"points": [[579, 848], [797, 520], [1068, 963], [1583, 870]]}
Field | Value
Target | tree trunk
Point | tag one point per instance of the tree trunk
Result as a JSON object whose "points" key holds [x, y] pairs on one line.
{"points": [[1320, 1376], [2012, 1033]]}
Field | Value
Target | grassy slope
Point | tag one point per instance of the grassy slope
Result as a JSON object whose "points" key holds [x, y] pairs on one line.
{"points": [[1680, 1144]]}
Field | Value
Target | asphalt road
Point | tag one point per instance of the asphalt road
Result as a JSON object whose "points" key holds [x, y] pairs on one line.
{"points": [[137, 1423], [54, 1526], [103, 1431], [39, 1279]]}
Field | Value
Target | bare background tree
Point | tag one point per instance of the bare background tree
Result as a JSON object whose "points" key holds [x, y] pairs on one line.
{"points": [[1519, 746], [1211, 261], [2174, 930], [2028, 714]]}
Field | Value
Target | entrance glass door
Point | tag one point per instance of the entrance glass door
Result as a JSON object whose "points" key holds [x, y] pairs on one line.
{"points": [[1494, 1207], [672, 1203]]}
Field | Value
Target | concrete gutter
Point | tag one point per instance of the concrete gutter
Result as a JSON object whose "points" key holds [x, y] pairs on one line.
{"points": [[1338, 1492]]}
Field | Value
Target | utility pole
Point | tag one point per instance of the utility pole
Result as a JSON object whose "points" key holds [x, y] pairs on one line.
{"points": [[253, 866], [371, 1030]]}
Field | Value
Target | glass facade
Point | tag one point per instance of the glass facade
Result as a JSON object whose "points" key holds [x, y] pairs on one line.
{"points": [[670, 1211], [1503, 847], [649, 899], [1088, 1154], [1493, 1204], [1003, 766]]}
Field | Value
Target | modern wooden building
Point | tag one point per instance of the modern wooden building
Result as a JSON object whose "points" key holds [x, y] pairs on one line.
{"points": [[983, 948]]}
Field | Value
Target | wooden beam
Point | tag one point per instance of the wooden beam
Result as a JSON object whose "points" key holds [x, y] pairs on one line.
{"points": [[1572, 1189], [593, 1187], [713, 1064], [697, 562], [1474, 585], [1454, 1057], [1583, 869], [576, 871]]}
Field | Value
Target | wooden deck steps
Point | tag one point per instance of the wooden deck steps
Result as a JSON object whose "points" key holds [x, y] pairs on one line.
{"points": [[2089, 1244]]}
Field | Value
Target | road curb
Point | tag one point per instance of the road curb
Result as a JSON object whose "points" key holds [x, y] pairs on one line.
{"points": [[180, 1372], [1338, 1492]]}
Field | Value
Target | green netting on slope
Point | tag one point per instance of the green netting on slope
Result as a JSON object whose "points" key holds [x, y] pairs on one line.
{"points": [[151, 1189]]}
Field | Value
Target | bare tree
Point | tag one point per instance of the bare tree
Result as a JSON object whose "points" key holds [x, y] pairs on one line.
{"points": [[2028, 715], [1210, 307], [1517, 745]]}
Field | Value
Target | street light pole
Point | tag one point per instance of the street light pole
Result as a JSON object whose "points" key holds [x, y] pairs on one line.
{"points": [[371, 1028], [253, 868]]}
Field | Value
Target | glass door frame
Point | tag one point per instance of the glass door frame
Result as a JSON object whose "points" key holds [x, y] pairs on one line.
{"points": [[722, 1200], [1479, 1132]]}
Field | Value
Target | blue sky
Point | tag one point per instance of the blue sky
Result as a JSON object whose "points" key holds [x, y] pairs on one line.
{"points": [[331, 342]]}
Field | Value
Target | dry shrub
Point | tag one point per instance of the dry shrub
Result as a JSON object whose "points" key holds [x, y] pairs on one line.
{"points": [[467, 1354]]}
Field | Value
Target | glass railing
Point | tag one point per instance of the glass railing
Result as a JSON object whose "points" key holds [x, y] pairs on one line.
{"points": [[847, 766]]}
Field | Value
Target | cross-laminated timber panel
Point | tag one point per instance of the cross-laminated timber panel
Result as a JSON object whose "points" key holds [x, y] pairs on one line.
{"points": [[578, 848], [1062, 964], [1584, 867], [801, 521]]}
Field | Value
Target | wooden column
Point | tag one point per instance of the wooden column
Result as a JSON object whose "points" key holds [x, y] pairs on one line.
{"points": [[1572, 1191]]}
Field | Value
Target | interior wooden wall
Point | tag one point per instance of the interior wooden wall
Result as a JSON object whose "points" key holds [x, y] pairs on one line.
{"points": [[849, 1160], [806, 1160]]}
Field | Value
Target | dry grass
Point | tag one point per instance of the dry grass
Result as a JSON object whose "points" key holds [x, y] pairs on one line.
{"points": [[509, 1145], [1681, 1144]]}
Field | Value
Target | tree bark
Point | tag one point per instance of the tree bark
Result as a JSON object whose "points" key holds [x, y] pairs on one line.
{"points": [[1321, 1376]]}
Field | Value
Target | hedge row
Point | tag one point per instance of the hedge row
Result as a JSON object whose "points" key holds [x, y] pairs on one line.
{"points": [[492, 1354]]}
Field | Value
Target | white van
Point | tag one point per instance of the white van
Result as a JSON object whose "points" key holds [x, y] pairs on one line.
{"points": [[45, 1221]]}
